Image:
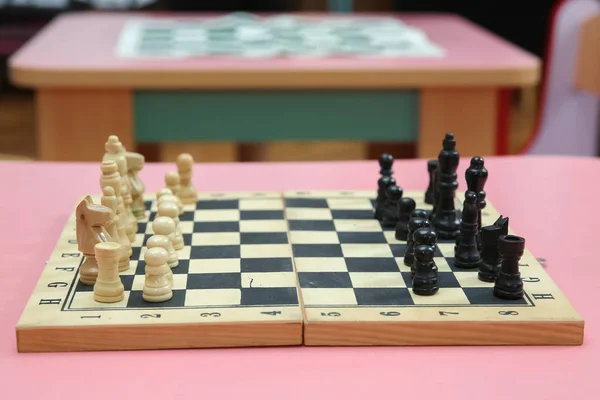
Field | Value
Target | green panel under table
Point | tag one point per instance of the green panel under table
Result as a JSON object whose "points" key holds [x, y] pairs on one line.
{"points": [[251, 116]]}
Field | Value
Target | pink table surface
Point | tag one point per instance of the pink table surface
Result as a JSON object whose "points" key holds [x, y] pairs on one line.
{"points": [[550, 201], [86, 42]]}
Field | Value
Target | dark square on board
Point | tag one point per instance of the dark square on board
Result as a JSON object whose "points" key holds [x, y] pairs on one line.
{"points": [[383, 296], [230, 280], [306, 203], [311, 225], [217, 205], [269, 296], [324, 280], [317, 250]]}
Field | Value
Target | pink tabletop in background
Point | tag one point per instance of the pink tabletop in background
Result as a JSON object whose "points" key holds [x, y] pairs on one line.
{"points": [[86, 41], [549, 202]]}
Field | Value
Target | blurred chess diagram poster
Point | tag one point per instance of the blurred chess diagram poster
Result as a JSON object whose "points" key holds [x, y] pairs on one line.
{"points": [[281, 36]]}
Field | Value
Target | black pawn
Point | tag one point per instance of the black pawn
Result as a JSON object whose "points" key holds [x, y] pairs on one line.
{"points": [[382, 184], [467, 254], [406, 206], [446, 221], [490, 256], [418, 219], [509, 285], [424, 270], [431, 168], [390, 210], [385, 164]]}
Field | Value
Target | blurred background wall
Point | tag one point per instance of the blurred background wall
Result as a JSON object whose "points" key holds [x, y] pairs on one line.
{"points": [[524, 23]]}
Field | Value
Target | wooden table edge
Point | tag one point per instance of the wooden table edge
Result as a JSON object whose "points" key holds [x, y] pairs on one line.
{"points": [[274, 79]]}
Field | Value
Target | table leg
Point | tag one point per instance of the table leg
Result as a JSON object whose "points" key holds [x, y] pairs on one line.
{"points": [[471, 114], [73, 125]]}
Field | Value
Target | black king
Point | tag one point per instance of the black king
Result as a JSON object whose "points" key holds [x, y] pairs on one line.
{"points": [[446, 222]]}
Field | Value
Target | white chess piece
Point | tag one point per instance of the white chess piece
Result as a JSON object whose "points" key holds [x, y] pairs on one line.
{"points": [[164, 243], [170, 210], [187, 192], [108, 287], [157, 286]]}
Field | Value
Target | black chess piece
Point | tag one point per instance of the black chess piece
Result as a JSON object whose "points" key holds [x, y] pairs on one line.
{"points": [[418, 219], [431, 168], [406, 206], [446, 222], [382, 184], [390, 209], [436, 193], [386, 161], [467, 254], [490, 256], [476, 176], [509, 285], [424, 271]]}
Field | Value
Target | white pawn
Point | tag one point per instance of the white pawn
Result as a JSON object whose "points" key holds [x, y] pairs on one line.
{"points": [[167, 195], [157, 286], [165, 226], [173, 182], [164, 243], [170, 210], [187, 192], [108, 287]]}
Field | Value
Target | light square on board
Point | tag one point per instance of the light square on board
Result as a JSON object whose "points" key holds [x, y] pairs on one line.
{"points": [[314, 237], [328, 296], [263, 226], [215, 238], [268, 279], [320, 264], [213, 266], [184, 254], [261, 204], [366, 250], [357, 225], [186, 226], [265, 250], [349, 204], [217, 215], [212, 297], [447, 249], [471, 279], [377, 279], [313, 214]]}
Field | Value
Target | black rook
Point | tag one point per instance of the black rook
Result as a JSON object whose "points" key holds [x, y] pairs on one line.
{"points": [[509, 285]]}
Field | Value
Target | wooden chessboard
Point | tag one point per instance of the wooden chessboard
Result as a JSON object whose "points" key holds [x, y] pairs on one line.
{"points": [[292, 268]]}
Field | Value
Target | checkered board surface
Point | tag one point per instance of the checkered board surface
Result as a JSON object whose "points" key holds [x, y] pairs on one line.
{"points": [[235, 285], [356, 289], [236, 254], [291, 268], [250, 36]]}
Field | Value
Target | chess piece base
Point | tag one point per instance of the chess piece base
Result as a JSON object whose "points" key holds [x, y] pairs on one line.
{"points": [[109, 292], [157, 295], [488, 273], [467, 264], [509, 287], [88, 272]]}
